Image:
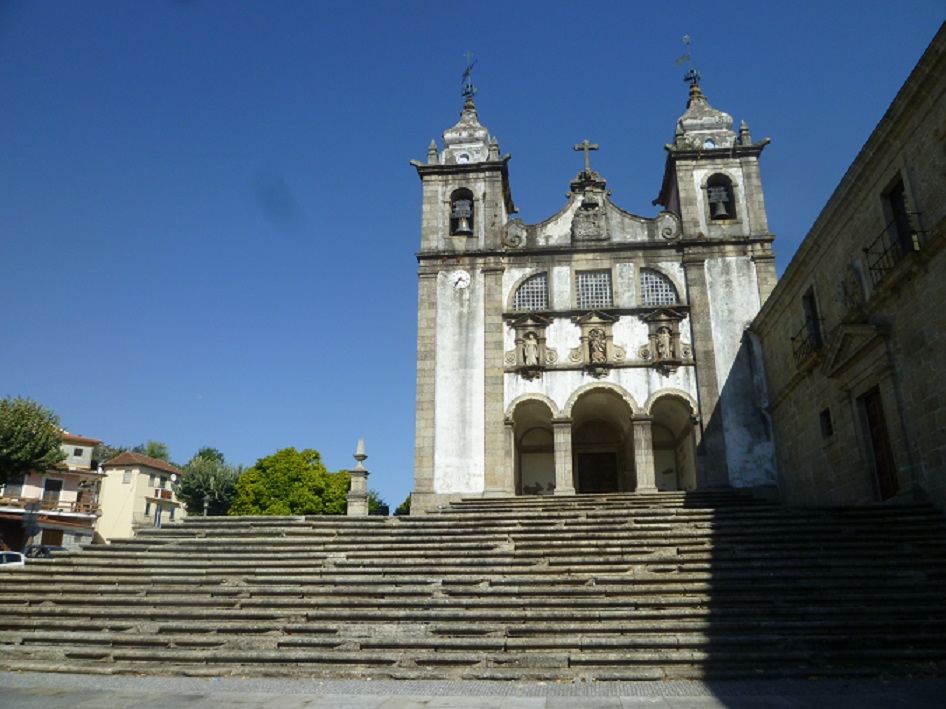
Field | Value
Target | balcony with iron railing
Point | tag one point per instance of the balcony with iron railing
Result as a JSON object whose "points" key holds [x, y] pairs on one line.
{"points": [[50, 505], [898, 239], [807, 341]]}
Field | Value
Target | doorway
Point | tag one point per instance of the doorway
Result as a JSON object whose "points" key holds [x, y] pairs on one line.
{"points": [[885, 471], [597, 472]]}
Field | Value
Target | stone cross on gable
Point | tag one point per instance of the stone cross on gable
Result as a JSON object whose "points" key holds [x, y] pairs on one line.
{"points": [[586, 146]]}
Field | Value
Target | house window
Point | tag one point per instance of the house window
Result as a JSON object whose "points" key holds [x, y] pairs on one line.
{"points": [[77, 452], [657, 289], [151, 480], [461, 213], [533, 294], [827, 426], [164, 483], [52, 489], [593, 289], [126, 477], [720, 197], [171, 513], [147, 509], [13, 489]]}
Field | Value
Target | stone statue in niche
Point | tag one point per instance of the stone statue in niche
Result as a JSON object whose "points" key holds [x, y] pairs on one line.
{"points": [[597, 346], [664, 343], [530, 350]]}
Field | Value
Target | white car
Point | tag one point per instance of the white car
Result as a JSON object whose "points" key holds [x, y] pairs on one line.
{"points": [[11, 558]]}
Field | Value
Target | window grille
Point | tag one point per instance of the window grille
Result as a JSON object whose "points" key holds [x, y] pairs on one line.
{"points": [[657, 289], [533, 294], [594, 289]]}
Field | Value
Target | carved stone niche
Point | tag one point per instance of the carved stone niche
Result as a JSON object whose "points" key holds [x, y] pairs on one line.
{"points": [[531, 355], [597, 351], [664, 348]]}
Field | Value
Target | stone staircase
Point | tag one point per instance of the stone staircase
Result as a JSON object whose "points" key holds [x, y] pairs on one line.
{"points": [[673, 585]]}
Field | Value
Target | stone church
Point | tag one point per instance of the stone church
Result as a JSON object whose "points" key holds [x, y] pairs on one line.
{"points": [[596, 351]]}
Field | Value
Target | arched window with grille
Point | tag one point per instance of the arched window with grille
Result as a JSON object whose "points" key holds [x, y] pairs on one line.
{"points": [[657, 289], [533, 293]]}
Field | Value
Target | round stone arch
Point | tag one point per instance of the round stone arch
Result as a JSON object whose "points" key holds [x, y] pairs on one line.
{"points": [[607, 386], [519, 400], [673, 415], [530, 441], [670, 391], [602, 436]]}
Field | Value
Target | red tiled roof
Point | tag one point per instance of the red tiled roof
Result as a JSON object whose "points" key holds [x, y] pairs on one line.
{"points": [[73, 438], [128, 458]]}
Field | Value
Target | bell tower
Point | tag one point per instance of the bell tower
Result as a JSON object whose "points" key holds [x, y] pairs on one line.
{"points": [[712, 183], [459, 411]]}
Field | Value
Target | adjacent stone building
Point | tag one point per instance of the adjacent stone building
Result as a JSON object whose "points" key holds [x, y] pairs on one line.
{"points": [[853, 334], [598, 350]]}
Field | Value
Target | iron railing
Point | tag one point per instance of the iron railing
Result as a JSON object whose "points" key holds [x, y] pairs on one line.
{"points": [[899, 238], [807, 340]]}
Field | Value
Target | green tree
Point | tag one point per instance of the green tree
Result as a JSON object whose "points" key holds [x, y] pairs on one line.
{"points": [[154, 449], [211, 453], [291, 482], [375, 503], [103, 452], [30, 438], [208, 475], [404, 508]]}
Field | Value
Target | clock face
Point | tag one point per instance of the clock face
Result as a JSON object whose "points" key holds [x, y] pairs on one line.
{"points": [[460, 279]]}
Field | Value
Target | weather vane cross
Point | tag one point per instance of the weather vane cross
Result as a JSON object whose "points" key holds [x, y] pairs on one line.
{"points": [[586, 146], [469, 90], [692, 76]]}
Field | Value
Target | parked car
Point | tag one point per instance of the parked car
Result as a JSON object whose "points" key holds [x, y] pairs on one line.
{"points": [[11, 558], [41, 551]]}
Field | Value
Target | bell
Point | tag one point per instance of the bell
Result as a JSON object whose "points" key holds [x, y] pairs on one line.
{"points": [[719, 210], [463, 226]]}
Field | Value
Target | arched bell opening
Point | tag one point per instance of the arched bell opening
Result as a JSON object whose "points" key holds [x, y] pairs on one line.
{"points": [[535, 449], [602, 443], [673, 436]]}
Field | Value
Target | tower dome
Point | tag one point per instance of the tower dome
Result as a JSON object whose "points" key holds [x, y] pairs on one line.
{"points": [[702, 126], [467, 141]]}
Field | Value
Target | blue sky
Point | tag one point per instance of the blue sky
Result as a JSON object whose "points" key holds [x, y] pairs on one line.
{"points": [[208, 220]]}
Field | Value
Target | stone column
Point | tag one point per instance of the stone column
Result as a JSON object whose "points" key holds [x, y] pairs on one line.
{"points": [[643, 454], [358, 493], [496, 464], [510, 463], [426, 385], [564, 475]]}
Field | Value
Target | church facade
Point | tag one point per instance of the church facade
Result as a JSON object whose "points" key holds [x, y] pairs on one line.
{"points": [[596, 351]]}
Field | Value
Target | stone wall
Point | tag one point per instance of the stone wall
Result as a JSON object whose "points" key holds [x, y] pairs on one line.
{"points": [[858, 318]]}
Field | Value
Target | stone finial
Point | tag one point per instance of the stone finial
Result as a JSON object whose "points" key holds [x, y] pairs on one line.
{"points": [[744, 137], [358, 493], [360, 454], [432, 153]]}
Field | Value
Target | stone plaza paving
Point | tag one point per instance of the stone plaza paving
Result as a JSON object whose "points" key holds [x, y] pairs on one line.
{"points": [[31, 690]]}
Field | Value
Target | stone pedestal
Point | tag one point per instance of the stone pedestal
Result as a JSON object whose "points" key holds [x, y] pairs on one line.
{"points": [[644, 454], [564, 476], [358, 492]]}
